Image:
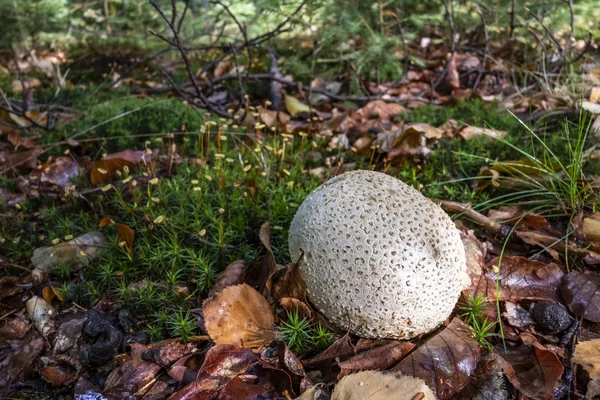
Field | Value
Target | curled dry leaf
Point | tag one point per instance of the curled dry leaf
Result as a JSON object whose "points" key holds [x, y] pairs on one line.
{"points": [[378, 358], [531, 370], [446, 361], [239, 315], [232, 275], [380, 385], [587, 354], [581, 294], [41, 313]]}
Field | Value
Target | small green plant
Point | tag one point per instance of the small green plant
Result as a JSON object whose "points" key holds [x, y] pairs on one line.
{"points": [[182, 325], [473, 312], [155, 332], [297, 332], [322, 338]]}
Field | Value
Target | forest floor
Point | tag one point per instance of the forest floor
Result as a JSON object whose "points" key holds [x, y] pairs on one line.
{"points": [[144, 241]]}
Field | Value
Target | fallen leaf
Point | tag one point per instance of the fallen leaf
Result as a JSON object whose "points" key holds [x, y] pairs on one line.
{"points": [[295, 106], [221, 364], [445, 362], [239, 315], [24, 161], [452, 77], [59, 172], [104, 170], [590, 228], [587, 354], [580, 291], [131, 156], [512, 215], [531, 370], [379, 385], [28, 83], [594, 108], [469, 132], [523, 279], [18, 141], [62, 370], [380, 109], [41, 314], [76, 251], [557, 244], [340, 348], [14, 328], [378, 358], [232, 275], [18, 356], [517, 316]]}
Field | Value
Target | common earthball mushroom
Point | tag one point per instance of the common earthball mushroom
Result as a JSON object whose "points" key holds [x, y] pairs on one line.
{"points": [[379, 259]]}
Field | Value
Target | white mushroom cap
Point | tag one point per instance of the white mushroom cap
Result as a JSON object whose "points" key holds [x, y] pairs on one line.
{"points": [[380, 259]]}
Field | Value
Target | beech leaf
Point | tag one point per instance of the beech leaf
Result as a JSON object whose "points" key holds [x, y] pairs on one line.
{"points": [[581, 294], [379, 385], [445, 362], [239, 315]]}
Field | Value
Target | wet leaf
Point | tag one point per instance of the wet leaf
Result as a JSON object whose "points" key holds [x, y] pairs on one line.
{"points": [[239, 315], [580, 293], [14, 328], [185, 369], [379, 385], [511, 215], [523, 279], [295, 106], [531, 370], [24, 161], [378, 358], [517, 316], [18, 141], [587, 354], [221, 365], [76, 251], [445, 362]]}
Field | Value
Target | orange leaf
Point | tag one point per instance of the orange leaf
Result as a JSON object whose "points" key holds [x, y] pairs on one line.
{"points": [[126, 234], [105, 222], [48, 294], [105, 170], [239, 315]]}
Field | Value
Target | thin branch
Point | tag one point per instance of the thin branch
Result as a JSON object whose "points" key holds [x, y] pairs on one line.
{"points": [[548, 31]]}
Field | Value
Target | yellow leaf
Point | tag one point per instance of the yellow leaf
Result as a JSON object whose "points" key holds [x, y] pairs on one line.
{"points": [[295, 106]]}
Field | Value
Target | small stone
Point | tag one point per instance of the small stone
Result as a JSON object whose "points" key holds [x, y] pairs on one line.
{"points": [[551, 317]]}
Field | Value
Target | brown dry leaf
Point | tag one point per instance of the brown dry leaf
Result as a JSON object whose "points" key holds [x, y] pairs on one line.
{"points": [[131, 156], [445, 362], [380, 385], [378, 358], [126, 234], [426, 130], [523, 279], [474, 252], [557, 244], [104, 170], [340, 348], [580, 291], [222, 67], [233, 274], [587, 354], [511, 215], [590, 228], [14, 328], [380, 109], [291, 304], [287, 282], [531, 370], [24, 161], [239, 315], [18, 141], [50, 292], [28, 83], [469, 132], [595, 94], [222, 364], [62, 370], [18, 356], [453, 77]]}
